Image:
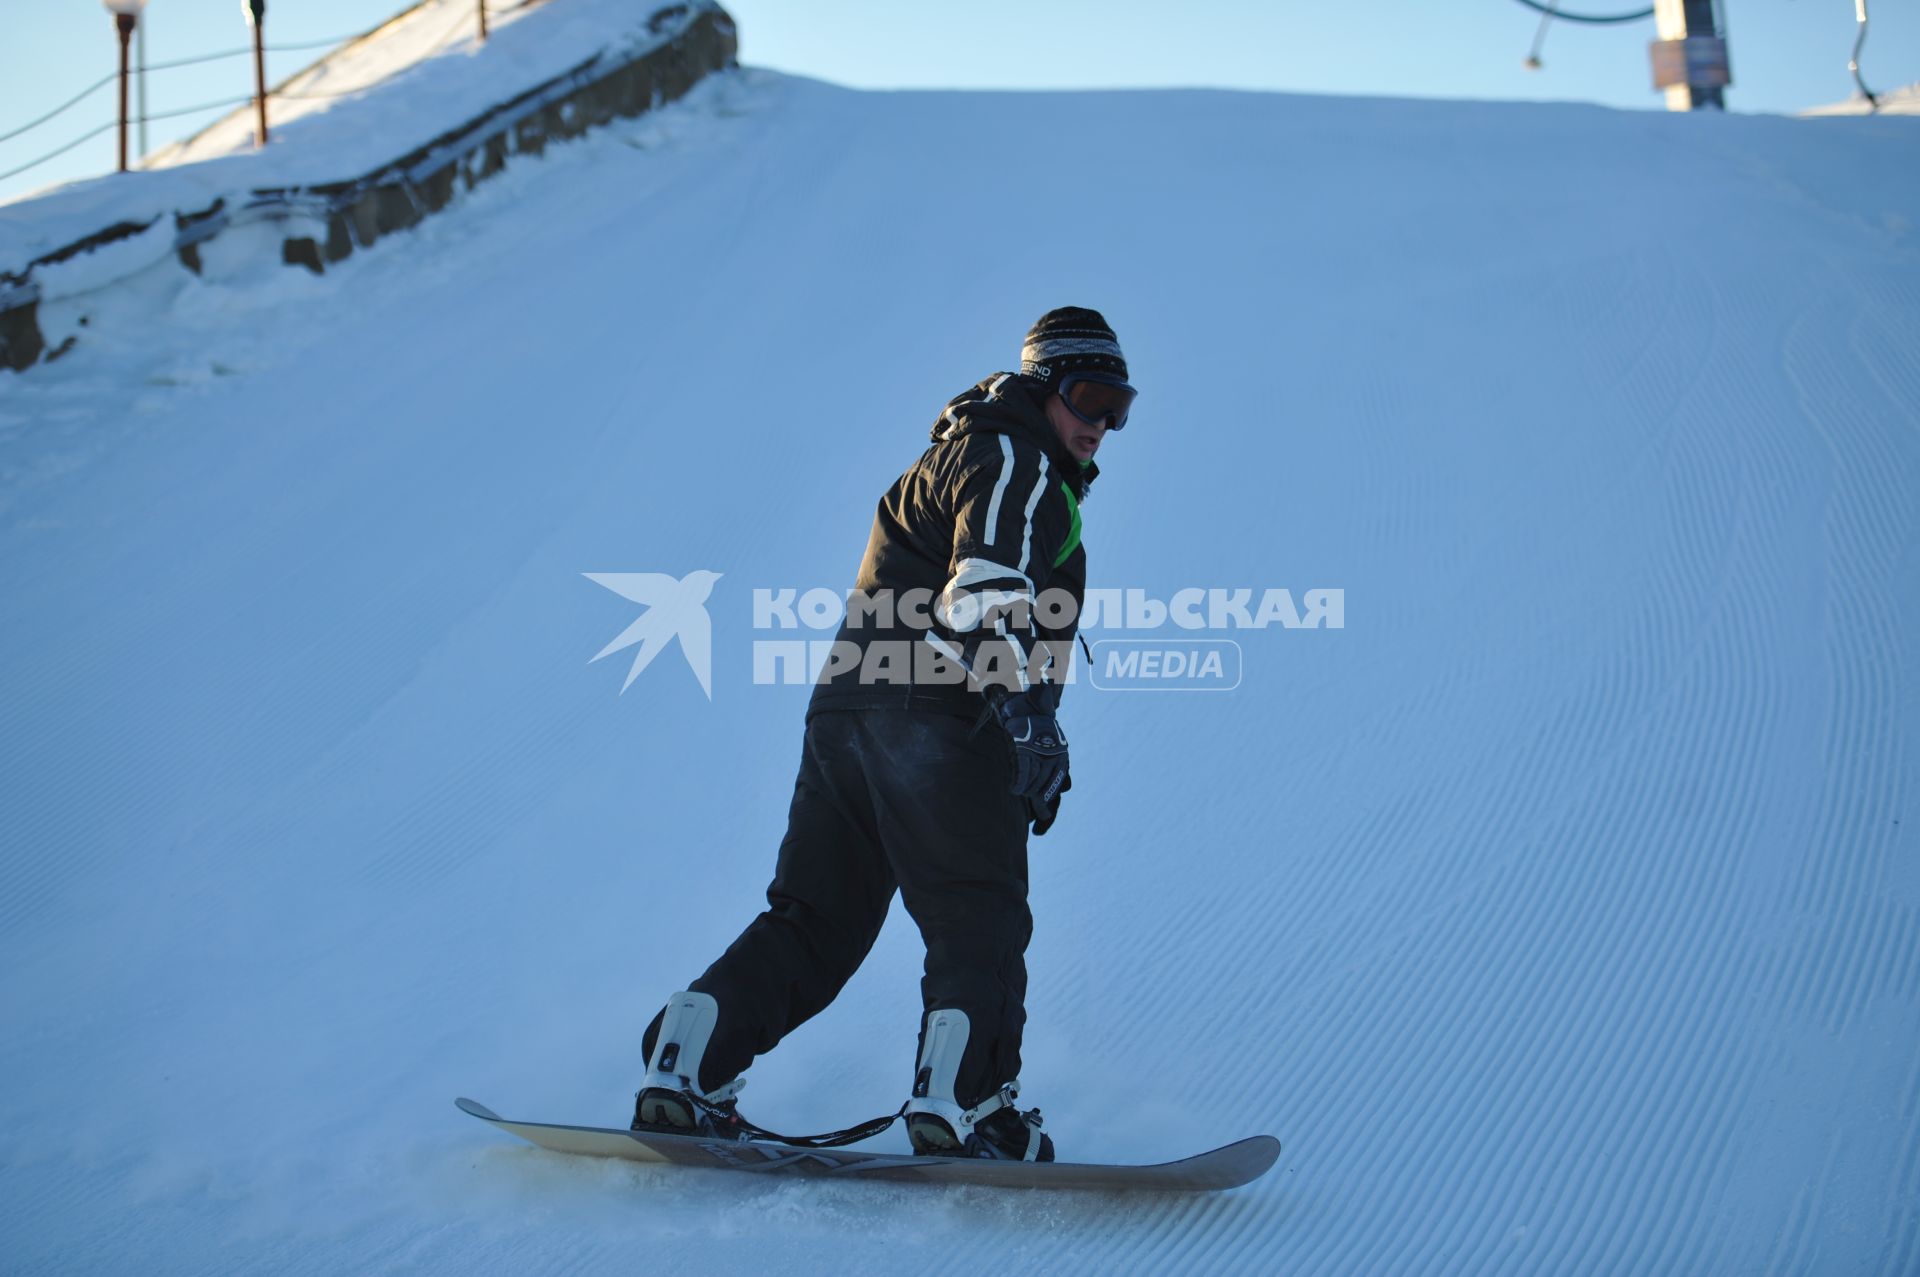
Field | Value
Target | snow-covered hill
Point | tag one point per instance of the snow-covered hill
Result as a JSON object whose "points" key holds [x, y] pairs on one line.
{"points": [[1561, 912]]}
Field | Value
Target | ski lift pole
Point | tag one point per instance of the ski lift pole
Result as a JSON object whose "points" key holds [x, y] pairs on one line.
{"points": [[1690, 57], [483, 21]]}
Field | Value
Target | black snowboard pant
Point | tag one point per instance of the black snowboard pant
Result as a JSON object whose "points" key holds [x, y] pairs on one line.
{"points": [[886, 799]]}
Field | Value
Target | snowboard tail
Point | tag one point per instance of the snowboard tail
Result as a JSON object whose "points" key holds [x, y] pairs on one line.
{"points": [[1229, 1166]]}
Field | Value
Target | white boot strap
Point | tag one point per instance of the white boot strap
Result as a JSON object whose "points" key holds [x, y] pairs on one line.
{"points": [[1000, 1099], [985, 1108], [680, 1082], [721, 1094]]}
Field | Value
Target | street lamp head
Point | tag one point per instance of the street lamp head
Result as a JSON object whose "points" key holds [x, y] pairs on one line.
{"points": [[124, 8]]}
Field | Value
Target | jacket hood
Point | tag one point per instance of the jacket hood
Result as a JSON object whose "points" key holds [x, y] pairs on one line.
{"points": [[1007, 403]]}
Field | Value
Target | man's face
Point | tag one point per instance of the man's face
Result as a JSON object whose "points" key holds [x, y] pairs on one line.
{"points": [[1082, 440]]}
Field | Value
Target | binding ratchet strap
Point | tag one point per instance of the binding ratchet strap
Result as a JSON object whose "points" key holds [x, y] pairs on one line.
{"points": [[1000, 1099], [721, 1094], [832, 1139], [1004, 1099]]}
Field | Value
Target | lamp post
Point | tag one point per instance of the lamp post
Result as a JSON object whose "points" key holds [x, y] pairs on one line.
{"points": [[257, 19], [140, 83], [126, 16], [483, 21]]}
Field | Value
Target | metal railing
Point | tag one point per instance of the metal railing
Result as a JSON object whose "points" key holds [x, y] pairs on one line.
{"points": [[466, 17]]}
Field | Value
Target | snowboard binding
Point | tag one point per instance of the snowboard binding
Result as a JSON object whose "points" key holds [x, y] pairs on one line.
{"points": [[670, 1101], [938, 1126], [682, 1112]]}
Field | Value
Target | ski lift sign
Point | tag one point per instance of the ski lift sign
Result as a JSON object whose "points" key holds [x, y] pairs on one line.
{"points": [[1699, 61]]}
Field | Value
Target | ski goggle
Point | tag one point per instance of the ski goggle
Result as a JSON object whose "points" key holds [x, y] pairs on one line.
{"points": [[1096, 397]]}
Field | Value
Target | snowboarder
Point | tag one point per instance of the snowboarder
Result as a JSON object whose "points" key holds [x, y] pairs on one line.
{"points": [[931, 746]]}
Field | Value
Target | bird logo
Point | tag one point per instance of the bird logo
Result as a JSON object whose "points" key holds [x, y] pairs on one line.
{"points": [[674, 609]]}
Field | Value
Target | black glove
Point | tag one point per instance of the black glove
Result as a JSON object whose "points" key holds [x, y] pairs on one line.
{"points": [[1039, 750], [1044, 814]]}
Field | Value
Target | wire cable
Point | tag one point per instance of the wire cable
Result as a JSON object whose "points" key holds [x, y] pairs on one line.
{"points": [[84, 137], [234, 53], [114, 124], [204, 106], [1597, 19], [105, 80], [163, 115], [75, 100], [447, 38]]}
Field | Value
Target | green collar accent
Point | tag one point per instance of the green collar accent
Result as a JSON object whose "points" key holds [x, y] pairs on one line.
{"points": [[1073, 530]]}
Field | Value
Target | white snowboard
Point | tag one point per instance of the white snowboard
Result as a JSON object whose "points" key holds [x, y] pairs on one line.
{"points": [[1226, 1167]]}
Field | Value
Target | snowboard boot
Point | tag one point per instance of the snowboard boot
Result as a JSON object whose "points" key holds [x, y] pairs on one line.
{"points": [[939, 1127], [670, 1101]]}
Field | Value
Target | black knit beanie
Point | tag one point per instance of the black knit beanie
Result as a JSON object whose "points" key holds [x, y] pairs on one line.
{"points": [[1071, 339]]}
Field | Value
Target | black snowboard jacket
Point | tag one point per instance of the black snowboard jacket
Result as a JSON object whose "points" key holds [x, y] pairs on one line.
{"points": [[974, 557]]}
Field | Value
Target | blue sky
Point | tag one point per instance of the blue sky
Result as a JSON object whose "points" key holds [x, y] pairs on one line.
{"points": [[1787, 54]]}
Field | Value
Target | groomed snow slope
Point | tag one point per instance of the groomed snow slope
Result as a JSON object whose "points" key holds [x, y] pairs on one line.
{"points": [[1561, 913]]}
